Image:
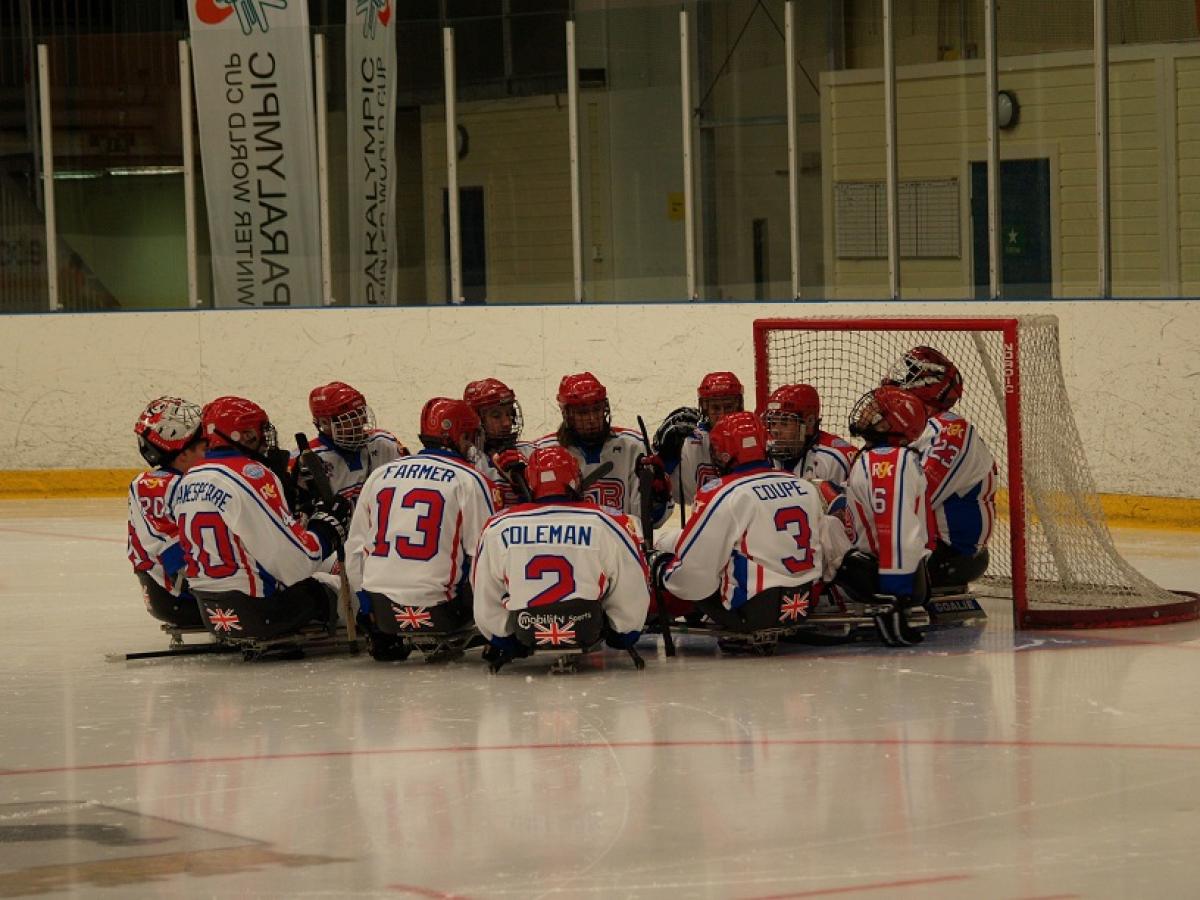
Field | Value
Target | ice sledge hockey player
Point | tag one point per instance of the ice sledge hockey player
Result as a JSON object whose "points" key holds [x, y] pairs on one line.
{"points": [[887, 500], [588, 433], [249, 562], [170, 440], [558, 573], [960, 470], [413, 534], [797, 443], [347, 441], [682, 438], [753, 546], [503, 452]]}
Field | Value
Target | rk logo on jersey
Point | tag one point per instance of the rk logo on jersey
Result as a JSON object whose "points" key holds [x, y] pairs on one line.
{"points": [[882, 469]]}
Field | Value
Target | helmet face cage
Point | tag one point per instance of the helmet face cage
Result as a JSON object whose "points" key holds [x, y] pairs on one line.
{"points": [[588, 423], [716, 407], [349, 430], [887, 415], [502, 423], [789, 434], [929, 375]]}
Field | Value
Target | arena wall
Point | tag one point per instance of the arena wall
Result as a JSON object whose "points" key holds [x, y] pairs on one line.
{"points": [[73, 384]]}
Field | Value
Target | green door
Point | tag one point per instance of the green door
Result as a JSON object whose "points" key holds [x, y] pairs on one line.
{"points": [[1025, 269]]}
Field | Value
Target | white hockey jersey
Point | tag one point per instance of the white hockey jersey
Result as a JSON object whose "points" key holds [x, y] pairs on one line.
{"points": [[756, 528], [886, 495], [539, 553], [153, 540], [960, 472], [480, 461], [617, 491], [236, 530], [695, 468], [348, 470], [415, 528], [828, 459]]}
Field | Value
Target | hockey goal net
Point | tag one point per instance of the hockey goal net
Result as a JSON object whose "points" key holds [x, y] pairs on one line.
{"points": [[1051, 549]]}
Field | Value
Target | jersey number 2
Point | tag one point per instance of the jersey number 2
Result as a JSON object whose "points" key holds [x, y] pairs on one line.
{"points": [[543, 565], [794, 521], [428, 526]]}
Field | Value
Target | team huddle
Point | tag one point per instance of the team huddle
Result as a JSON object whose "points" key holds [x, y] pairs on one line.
{"points": [[509, 538]]}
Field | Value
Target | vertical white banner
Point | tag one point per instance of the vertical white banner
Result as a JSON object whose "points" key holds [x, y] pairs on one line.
{"points": [[371, 150], [254, 96]]}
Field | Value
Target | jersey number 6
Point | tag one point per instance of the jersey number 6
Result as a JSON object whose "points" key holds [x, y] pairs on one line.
{"points": [[428, 524], [794, 521]]}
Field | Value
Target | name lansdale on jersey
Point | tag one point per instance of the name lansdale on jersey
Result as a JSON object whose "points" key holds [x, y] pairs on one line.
{"points": [[579, 535]]}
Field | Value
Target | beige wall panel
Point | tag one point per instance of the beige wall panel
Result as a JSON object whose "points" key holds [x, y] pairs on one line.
{"points": [[1187, 80]]}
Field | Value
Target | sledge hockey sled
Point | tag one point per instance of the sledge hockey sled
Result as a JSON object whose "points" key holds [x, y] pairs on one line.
{"points": [[566, 630], [440, 633]]}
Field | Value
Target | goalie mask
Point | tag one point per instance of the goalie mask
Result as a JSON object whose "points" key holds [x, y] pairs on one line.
{"points": [[238, 423], [341, 414], [929, 375], [450, 424], [587, 418], [888, 415], [498, 410], [793, 420], [738, 439], [719, 394], [166, 428], [553, 472]]}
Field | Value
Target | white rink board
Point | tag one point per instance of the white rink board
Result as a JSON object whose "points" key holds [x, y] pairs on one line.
{"points": [[74, 383]]}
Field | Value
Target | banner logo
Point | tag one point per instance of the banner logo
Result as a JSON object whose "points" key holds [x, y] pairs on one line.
{"points": [[251, 13], [372, 11]]}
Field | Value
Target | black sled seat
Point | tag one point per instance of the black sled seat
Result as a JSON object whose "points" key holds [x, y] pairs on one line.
{"points": [[951, 601], [293, 623], [567, 630], [440, 633], [757, 626]]}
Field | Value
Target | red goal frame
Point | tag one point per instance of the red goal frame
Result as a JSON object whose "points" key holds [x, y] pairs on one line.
{"points": [[1188, 606]]}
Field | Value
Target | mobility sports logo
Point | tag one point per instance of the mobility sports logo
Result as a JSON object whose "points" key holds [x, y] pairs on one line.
{"points": [[372, 12], [251, 13]]}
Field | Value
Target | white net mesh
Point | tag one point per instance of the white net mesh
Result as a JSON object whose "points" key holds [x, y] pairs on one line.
{"points": [[1071, 562]]}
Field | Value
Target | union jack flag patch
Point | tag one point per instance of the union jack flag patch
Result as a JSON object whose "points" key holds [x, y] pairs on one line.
{"points": [[793, 608], [224, 620], [554, 635], [412, 617]]}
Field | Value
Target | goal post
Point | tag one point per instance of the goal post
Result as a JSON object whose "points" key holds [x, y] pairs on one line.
{"points": [[1051, 549]]}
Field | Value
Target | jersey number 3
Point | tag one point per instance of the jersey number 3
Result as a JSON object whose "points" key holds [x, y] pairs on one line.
{"points": [[794, 521], [423, 545]]}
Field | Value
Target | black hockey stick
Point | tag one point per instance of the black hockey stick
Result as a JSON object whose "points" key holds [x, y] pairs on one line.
{"points": [[645, 476], [316, 471], [184, 650], [595, 475]]}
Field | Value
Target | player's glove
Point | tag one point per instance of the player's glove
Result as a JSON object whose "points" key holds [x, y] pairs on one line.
{"points": [[657, 561], [676, 428], [330, 531], [621, 640], [501, 650], [660, 481], [338, 507]]}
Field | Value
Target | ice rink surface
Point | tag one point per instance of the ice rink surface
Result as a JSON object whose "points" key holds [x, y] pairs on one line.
{"points": [[983, 764]]}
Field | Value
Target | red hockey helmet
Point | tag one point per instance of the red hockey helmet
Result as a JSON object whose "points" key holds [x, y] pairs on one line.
{"points": [[739, 438], [553, 472], [496, 405], [235, 420], [888, 415], [793, 419], [341, 412], [584, 403], [445, 422], [583, 389], [719, 394], [929, 375], [167, 427]]}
